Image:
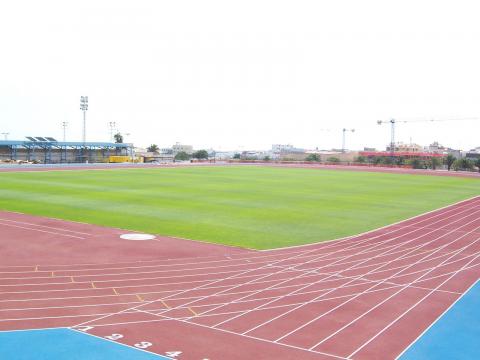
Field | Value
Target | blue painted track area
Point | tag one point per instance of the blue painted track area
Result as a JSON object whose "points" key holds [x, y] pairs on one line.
{"points": [[456, 335], [65, 344]]}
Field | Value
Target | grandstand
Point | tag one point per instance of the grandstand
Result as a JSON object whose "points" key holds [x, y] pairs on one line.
{"points": [[47, 150]]}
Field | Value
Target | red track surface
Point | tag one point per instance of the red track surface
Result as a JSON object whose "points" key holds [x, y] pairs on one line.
{"points": [[365, 297], [66, 167]]}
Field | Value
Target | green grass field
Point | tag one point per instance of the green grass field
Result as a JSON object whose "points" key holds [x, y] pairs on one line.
{"points": [[255, 207]]}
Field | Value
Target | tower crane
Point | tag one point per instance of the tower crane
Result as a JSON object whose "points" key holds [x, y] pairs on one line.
{"points": [[392, 123]]}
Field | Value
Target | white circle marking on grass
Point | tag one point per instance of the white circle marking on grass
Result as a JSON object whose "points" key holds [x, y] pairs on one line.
{"points": [[137, 237]]}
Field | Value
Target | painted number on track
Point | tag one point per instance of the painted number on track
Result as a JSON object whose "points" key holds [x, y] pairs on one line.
{"points": [[173, 354], [114, 337], [84, 328], [143, 345]]}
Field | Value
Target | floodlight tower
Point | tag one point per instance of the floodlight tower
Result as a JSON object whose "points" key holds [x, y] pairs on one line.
{"points": [[343, 137], [84, 108], [112, 125], [5, 135], [64, 126]]}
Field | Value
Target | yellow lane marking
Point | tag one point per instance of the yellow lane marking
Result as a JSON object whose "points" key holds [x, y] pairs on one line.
{"points": [[165, 304], [193, 312], [53, 274], [71, 277], [93, 285], [139, 297], [115, 291]]}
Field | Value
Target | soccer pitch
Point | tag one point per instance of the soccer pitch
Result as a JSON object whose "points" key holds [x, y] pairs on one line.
{"points": [[247, 206]]}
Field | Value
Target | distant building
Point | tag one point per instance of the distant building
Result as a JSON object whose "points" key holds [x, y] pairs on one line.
{"points": [[182, 148], [473, 154], [285, 149], [436, 148], [407, 148]]}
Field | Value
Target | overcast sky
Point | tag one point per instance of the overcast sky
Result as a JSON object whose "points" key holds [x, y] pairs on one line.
{"points": [[242, 74]]}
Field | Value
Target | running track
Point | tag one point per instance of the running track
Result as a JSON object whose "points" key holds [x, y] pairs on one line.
{"points": [[364, 297]]}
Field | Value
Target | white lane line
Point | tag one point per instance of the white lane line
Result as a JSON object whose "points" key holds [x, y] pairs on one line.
{"points": [[392, 296], [183, 291], [43, 231], [409, 309], [176, 283], [244, 301], [343, 270], [197, 297], [437, 319], [281, 315], [46, 227], [202, 286]]}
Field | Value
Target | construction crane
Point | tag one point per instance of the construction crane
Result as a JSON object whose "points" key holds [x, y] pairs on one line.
{"points": [[392, 123]]}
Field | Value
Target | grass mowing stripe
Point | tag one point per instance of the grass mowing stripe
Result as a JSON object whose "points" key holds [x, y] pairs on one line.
{"points": [[257, 207]]}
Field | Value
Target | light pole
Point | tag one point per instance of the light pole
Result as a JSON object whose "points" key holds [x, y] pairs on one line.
{"points": [[112, 125], [84, 108], [343, 137], [64, 126], [5, 135], [131, 147]]}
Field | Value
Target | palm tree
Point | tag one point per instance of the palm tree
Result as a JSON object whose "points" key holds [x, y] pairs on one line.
{"points": [[153, 148]]}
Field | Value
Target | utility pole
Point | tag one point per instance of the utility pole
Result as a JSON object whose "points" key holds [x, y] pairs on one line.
{"points": [[343, 137]]}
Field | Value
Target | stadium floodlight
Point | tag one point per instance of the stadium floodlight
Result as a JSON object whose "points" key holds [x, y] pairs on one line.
{"points": [[5, 135], [64, 126], [112, 125], [84, 108], [343, 137]]}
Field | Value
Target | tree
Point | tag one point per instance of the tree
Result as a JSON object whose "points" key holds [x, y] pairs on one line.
{"points": [[416, 163], [182, 156], [463, 164], [236, 156], [360, 159], [477, 164], [387, 160], [118, 138], [333, 159], [433, 163], [200, 154], [378, 160], [400, 160], [153, 148], [312, 157], [449, 160], [266, 158]]}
